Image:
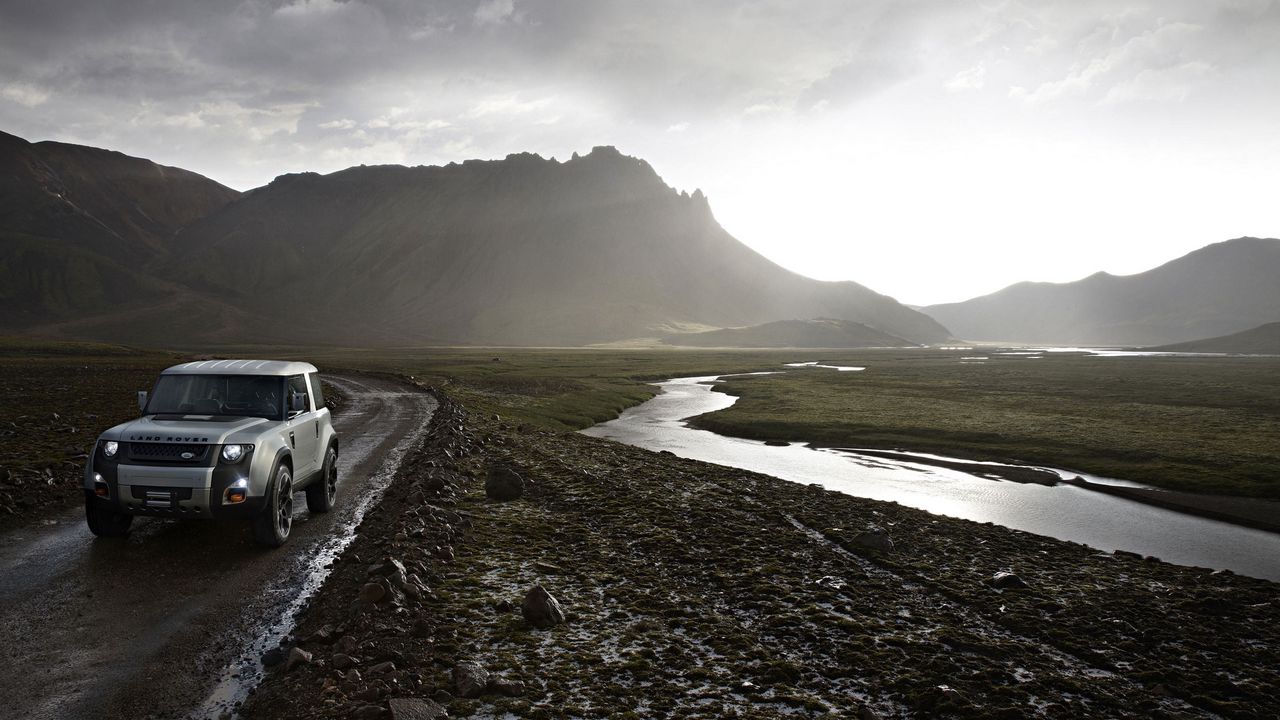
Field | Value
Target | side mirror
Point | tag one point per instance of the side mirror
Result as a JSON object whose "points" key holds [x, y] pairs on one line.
{"points": [[142, 399], [297, 402]]}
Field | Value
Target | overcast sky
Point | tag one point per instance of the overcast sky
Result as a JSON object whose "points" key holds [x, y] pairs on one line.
{"points": [[930, 150]]}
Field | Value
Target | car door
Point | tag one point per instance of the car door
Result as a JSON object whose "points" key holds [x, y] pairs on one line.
{"points": [[302, 431]]}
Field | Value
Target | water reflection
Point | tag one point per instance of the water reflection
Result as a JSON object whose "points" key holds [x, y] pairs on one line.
{"points": [[1061, 511]]}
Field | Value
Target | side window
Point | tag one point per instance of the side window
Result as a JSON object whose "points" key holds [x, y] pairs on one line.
{"points": [[317, 390], [298, 384]]}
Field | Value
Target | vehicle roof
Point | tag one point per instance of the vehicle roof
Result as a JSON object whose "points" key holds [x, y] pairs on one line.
{"points": [[241, 367]]}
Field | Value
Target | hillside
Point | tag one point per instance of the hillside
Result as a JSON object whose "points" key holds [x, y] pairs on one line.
{"points": [[819, 333], [78, 225], [1262, 340], [521, 251], [1220, 289]]}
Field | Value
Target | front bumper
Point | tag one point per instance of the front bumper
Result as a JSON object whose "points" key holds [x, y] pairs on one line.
{"points": [[171, 491]]}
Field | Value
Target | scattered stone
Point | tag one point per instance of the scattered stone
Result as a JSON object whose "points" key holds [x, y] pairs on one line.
{"points": [[346, 644], [383, 667], [874, 539], [372, 592], [416, 709], [541, 609], [1007, 580], [503, 686], [297, 656], [503, 606], [470, 679], [546, 567], [273, 657], [391, 569], [367, 712], [341, 661], [503, 484]]}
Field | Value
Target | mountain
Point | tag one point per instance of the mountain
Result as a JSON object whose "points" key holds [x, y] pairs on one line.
{"points": [[520, 251], [818, 333], [1262, 340], [78, 225], [1220, 289]]}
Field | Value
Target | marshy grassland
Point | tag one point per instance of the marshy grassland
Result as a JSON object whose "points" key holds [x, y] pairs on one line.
{"points": [[1198, 424]]}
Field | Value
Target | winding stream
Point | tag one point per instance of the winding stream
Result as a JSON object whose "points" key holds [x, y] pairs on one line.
{"points": [[1061, 511]]}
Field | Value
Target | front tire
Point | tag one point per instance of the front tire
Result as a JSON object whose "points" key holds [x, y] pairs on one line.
{"points": [[105, 522], [321, 493], [271, 528]]}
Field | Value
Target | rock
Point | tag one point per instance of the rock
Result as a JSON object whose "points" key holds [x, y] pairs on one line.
{"points": [[346, 644], [372, 592], [297, 656], [470, 679], [323, 635], [273, 657], [385, 666], [503, 606], [1007, 580], [546, 567], [367, 712], [777, 443], [541, 609], [874, 539], [868, 714], [503, 484], [341, 661], [416, 709], [391, 569], [503, 686]]}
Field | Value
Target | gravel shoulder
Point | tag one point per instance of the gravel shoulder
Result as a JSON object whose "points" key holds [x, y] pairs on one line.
{"points": [[694, 590]]}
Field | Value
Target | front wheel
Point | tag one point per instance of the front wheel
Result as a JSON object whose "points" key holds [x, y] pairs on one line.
{"points": [[105, 522], [271, 527], [320, 494]]}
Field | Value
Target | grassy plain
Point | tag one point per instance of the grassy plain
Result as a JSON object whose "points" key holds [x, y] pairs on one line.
{"points": [[1200, 424]]}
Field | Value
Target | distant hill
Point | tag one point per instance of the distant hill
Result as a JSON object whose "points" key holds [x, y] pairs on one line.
{"points": [[819, 333], [1220, 289], [1262, 340], [78, 226], [520, 251]]}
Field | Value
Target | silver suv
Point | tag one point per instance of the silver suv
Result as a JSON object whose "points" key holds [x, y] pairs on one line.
{"points": [[218, 438]]}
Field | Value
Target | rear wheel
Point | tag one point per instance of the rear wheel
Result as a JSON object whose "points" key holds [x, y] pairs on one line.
{"points": [[105, 522], [320, 494], [271, 528]]}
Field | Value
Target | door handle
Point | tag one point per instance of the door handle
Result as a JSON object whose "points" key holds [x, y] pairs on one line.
{"points": [[291, 443], [317, 428]]}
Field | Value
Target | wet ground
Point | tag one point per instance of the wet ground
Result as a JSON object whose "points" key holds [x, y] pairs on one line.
{"points": [[699, 591], [170, 621]]}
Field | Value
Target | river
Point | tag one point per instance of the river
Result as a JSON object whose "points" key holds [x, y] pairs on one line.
{"points": [[1061, 511]]}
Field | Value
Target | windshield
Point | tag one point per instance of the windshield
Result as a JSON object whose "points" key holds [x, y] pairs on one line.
{"points": [[239, 395]]}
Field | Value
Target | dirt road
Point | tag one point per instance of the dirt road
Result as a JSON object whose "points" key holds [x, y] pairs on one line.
{"points": [[172, 621]]}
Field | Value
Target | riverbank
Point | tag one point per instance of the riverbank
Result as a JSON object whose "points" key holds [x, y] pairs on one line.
{"points": [[1205, 425], [696, 590]]}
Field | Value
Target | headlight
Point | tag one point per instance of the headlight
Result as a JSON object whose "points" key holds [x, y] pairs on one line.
{"points": [[233, 453], [110, 447]]}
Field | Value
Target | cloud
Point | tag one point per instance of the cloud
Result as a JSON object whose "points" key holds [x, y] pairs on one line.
{"points": [[495, 12], [25, 94], [971, 79]]}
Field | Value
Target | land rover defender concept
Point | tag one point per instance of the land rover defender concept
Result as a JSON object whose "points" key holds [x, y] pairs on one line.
{"points": [[218, 439]]}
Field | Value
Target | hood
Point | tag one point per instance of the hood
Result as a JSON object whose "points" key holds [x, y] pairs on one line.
{"points": [[182, 429]]}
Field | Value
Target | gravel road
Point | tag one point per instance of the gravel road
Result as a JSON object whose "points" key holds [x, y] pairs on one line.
{"points": [[171, 621]]}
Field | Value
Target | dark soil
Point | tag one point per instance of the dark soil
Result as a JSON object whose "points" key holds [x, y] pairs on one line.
{"points": [[52, 412], [693, 590]]}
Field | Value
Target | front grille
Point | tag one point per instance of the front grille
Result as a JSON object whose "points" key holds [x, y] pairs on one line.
{"points": [[168, 453]]}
